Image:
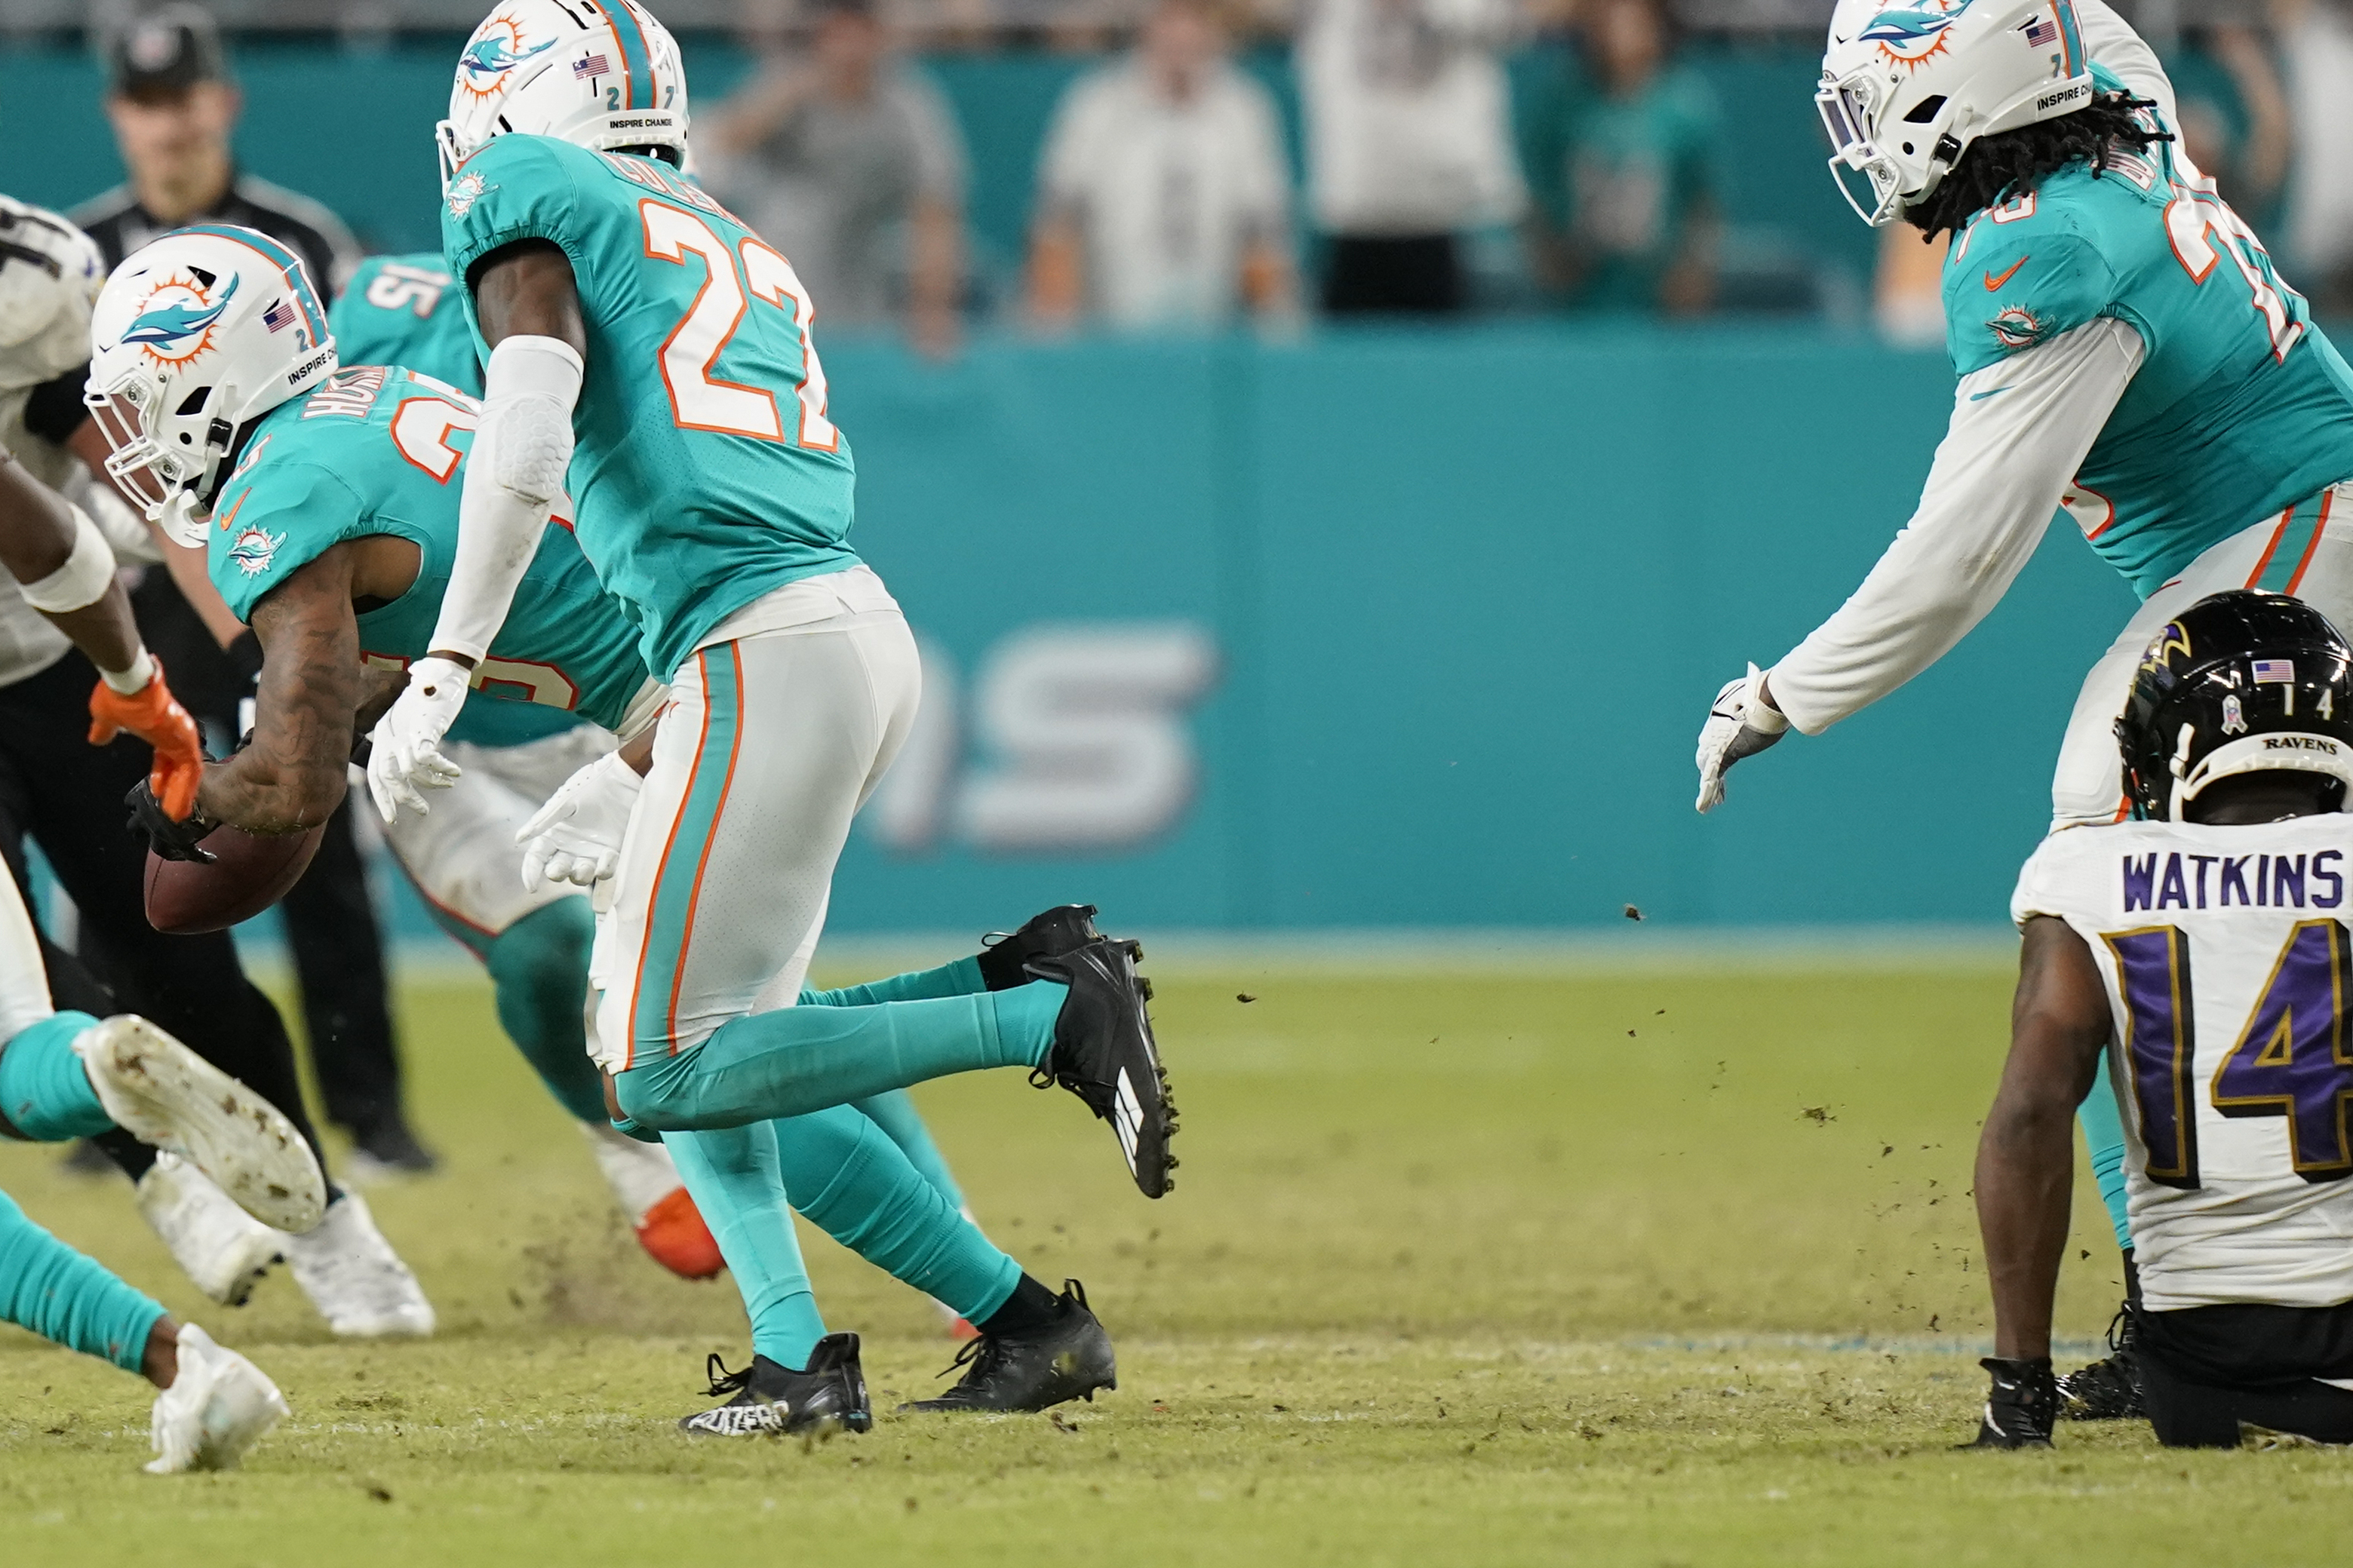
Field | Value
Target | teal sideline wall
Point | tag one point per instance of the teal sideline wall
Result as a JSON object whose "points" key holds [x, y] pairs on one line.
{"points": [[1474, 592]]}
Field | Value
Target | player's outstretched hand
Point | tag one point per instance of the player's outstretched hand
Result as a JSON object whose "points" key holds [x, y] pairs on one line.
{"points": [[2021, 1407], [155, 716], [576, 835], [1739, 724], [405, 758]]}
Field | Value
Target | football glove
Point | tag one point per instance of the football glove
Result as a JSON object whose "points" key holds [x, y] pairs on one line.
{"points": [[576, 837], [405, 757], [155, 716], [2021, 1407], [1739, 724], [172, 837]]}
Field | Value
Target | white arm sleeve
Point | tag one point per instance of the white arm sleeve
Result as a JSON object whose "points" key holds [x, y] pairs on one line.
{"points": [[514, 475], [2020, 430], [2110, 41]]}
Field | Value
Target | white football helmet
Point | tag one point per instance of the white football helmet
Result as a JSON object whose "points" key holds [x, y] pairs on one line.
{"points": [[599, 75], [1905, 95], [194, 336]]}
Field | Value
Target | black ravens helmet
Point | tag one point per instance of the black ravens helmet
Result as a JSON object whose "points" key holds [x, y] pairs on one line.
{"points": [[2241, 682]]}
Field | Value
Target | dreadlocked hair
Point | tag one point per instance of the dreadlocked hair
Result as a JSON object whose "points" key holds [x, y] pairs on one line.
{"points": [[2006, 166]]}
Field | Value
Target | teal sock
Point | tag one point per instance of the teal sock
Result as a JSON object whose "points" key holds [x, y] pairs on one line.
{"points": [[44, 1091], [539, 966], [961, 978], [2104, 1140], [851, 1181], [61, 1295], [797, 1061], [895, 1113], [738, 1184]]}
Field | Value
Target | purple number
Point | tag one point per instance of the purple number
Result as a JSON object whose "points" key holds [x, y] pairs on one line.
{"points": [[2160, 1038], [2291, 1062]]}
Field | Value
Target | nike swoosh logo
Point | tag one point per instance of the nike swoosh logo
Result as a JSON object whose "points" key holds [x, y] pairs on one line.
{"points": [[1981, 396], [1992, 282]]}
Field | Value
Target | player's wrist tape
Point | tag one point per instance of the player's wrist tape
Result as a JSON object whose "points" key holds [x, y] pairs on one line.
{"points": [[126, 682], [1760, 715], [83, 580]]}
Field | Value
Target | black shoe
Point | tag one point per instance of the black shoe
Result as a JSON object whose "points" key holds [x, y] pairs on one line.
{"points": [[1103, 1053], [86, 1159], [772, 1401], [2108, 1390], [1067, 1359], [1005, 956], [2019, 1404], [387, 1148]]}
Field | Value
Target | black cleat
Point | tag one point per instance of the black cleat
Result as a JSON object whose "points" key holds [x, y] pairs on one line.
{"points": [[772, 1401], [386, 1148], [1068, 1359], [1103, 1053], [2110, 1389], [1005, 956], [2019, 1405]]}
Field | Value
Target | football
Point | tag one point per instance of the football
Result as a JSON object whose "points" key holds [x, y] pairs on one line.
{"points": [[250, 871]]}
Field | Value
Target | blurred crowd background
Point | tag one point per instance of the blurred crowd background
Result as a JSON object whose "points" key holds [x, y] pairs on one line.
{"points": [[1160, 167]]}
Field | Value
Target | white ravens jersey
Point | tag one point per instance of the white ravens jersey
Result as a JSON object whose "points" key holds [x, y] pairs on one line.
{"points": [[50, 273], [2229, 966]]}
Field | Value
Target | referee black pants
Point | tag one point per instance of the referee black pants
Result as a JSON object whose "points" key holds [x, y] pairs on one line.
{"points": [[331, 922], [66, 794]]}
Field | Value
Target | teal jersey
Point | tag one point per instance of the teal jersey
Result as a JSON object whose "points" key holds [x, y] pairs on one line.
{"points": [[706, 473], [1624, 179], [381, 450], [2241, 409], [400, 310]]}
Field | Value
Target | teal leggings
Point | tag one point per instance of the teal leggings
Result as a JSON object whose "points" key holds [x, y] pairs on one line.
{"points": [[2104, 1140]]}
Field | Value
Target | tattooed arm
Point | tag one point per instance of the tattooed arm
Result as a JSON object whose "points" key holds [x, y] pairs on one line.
{"points": [[292, 776]]}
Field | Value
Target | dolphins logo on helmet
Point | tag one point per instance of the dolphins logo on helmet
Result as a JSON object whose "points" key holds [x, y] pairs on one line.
{"points": [[175, 324], [1912, 35], [497, 49]]}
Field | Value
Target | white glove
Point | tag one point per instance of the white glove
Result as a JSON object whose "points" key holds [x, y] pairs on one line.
{"points": [[576, 835], [407, 742], [1738, 725]]}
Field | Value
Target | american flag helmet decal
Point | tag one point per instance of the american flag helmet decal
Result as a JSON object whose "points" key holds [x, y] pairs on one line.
{"points": [[592, 65], [2274, 671], [281, 315]]}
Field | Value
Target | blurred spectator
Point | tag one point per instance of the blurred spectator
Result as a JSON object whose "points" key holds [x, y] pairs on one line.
{"points": [[1623, 171], [2233, 113], [1164, 197], [1409, 144], [2316, 45], [850, 163], [173, 106]]}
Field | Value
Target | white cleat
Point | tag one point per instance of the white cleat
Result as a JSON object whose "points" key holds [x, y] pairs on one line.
{"points": [[219, 1405], [219, 1246], [356, 1279], [163, 1094]]}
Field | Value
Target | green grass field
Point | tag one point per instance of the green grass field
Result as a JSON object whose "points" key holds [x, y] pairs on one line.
{"points": [[1660, 1269]]}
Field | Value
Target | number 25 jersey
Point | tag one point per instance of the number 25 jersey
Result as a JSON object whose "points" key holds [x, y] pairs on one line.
{"points": [[2229, 969], [707, 474]]}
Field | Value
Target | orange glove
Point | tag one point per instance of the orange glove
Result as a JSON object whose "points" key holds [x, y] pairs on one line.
{"points": [[155, 716]]}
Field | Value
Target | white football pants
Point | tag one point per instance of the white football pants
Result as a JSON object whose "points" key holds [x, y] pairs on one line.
{"points": [[773, 738], [2306, 551], [462, 855]]}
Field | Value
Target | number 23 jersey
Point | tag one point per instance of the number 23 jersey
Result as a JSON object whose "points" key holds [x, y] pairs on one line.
{"points": [[707, 474], [2229, 970]]}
